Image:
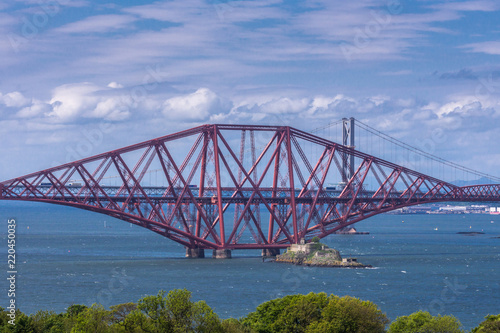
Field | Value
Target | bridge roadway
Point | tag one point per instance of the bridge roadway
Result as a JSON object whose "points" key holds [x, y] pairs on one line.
{"points": [[157, 194], [483, 193]]}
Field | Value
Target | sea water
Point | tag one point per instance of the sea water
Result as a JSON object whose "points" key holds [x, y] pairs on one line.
{"points": [[69, 256]]}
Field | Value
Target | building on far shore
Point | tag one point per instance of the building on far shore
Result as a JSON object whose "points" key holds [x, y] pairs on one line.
{"points": [[447, 209]]}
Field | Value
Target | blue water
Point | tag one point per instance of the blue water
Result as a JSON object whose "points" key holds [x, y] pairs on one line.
{"points": [[66, 256]]}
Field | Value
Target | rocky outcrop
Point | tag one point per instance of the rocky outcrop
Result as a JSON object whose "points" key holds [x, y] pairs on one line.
{"points": [[318, 255]]}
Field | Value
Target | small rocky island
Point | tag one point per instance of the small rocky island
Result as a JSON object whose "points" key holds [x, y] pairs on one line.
{"points": [[316, 254], [470, 233]]}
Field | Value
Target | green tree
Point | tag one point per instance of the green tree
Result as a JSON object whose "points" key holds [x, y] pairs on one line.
{"points": [[22, 322], [4, 318], [300, 314], [349, 314], [71, 315], [75, 309], [268, 313], [316, 313], [424, 322], [204, 319], [121, 311], [491, 324], [177, 313], [127, 318], [232, 325], [155, 308], [93, 319], [47, 322], [137, 322], [315, 239]]}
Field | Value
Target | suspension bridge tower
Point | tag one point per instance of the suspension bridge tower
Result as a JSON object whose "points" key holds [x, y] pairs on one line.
{"points": [[348, 141]]}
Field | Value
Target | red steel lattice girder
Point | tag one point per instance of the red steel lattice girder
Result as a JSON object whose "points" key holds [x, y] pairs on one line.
{"points": [[282, 181]]}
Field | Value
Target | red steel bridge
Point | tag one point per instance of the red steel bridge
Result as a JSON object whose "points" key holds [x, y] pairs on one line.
{"points": [[225, 187]]}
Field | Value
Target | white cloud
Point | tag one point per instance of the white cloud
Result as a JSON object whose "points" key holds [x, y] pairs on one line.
{"points": [[115, 85], [379, 100], [65, 3], [198, 106], [37, 108], [72, 101], [218, 12], [172, 11], [275, 63], [246, 11], [491, 47], [402, 118], [323, 106], [469, 106], [14, 99], [321, 102], [476, 5], [111, 109], [98, 24], [398, 73], [281, 35], [285, 105]]}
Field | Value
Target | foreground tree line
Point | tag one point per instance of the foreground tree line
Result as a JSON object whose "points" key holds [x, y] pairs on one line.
{"points": [[176, 312]]}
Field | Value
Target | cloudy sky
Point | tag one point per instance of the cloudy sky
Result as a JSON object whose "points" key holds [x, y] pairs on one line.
{"points": [[81, 77]]}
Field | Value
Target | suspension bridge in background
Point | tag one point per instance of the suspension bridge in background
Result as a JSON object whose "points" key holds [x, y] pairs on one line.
{"points": [[226, 187]]}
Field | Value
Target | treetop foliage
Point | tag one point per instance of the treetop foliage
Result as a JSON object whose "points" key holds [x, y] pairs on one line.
{"points": [[175, 312], [424, 322]]}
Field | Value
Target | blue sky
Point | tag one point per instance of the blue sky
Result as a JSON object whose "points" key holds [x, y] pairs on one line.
{"points": [[81, 77]]}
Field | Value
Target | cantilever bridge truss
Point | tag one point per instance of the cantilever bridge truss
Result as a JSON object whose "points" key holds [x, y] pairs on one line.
{"points": [[238, 186]]}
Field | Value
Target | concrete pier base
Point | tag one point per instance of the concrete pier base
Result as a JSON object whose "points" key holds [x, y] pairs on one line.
{"points": [[221, 254], [270, 252], [195, 253]]}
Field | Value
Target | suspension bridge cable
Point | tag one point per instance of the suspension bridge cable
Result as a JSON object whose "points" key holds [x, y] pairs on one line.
{"points": [[392, 140], [423, 153], [331, 124]]}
